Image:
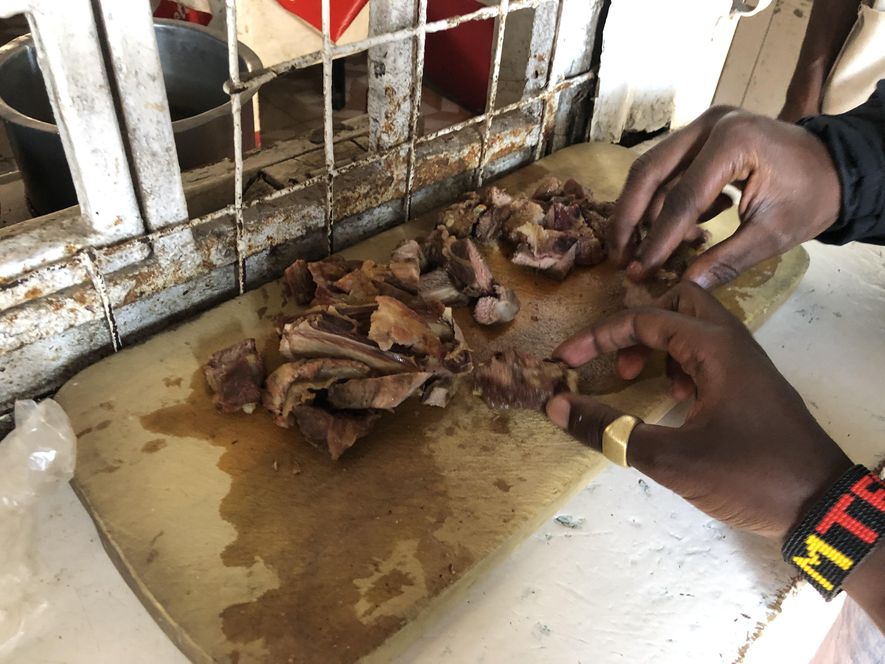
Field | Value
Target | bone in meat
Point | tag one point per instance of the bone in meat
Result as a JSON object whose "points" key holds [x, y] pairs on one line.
{"points": [[512, 379], [294, 384], [299, 282], [437, 286], [491, 224], [314, 338], [235, 375], [410, 251], [438, 392], [395, 324], [334, 433], [459, 218], [522, 211], [552, 252], [495, 197], [561, 217], [381, 393], [469, 269], [501, 307]]}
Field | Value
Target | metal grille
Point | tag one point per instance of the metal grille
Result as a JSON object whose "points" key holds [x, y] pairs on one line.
{"points": [[137, 254], [239, 85]]}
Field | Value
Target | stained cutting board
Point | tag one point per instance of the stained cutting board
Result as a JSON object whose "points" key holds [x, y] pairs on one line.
{"points": [[246, 544]]}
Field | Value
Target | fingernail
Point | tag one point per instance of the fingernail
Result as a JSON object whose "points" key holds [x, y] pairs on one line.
{"points": [[702, 280], [558, 409]]}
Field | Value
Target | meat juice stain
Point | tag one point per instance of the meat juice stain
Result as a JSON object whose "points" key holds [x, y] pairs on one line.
{"points": [[324, 527], [551, 311], [154, 445]]}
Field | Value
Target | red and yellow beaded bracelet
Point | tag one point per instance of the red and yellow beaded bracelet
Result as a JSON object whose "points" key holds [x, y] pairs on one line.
{"points": [[842, 528]]}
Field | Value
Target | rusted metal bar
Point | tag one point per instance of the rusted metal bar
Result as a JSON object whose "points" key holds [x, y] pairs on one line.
{"points": [[87, 259], [522, 104], [391, 74], [328, 133], [548, 110], [233, 65], [493, 89], [417, 89]]}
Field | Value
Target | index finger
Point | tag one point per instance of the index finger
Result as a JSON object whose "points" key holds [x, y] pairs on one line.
{"points": [[684, 338], [690, 299], [652, 170]]}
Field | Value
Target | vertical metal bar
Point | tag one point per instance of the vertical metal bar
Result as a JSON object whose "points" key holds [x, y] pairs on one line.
{"points": [[328, 143], [391, 67], [141, 95], [417, 89], [89, 263], [233, 65], [68, 52], [493, 90], [548, 108]]}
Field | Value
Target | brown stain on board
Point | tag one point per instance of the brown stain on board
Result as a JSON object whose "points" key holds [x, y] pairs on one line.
{"points": [[305, 616], [371, 504], [154, 445], [172, 381], [503, 485]]}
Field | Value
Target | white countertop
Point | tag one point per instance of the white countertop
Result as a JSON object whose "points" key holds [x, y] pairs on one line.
{"points": [[645, 577]]}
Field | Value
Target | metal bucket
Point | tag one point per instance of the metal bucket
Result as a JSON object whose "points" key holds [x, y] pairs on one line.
{"points": [[194, 62]]}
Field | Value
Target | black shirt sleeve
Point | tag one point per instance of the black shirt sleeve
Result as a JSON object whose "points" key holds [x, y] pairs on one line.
{"points": [[856, 142]]}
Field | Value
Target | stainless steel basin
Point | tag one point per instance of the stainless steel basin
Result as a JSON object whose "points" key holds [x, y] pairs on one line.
{"points": [[194, 62]]}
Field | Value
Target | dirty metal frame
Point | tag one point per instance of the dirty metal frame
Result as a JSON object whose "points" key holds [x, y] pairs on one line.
{"points": [[239, 85], [65, 283]]}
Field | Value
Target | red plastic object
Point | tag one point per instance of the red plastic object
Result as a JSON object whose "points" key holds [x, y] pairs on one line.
{"points": [[169, 9], [341, 13], [457, 62]]}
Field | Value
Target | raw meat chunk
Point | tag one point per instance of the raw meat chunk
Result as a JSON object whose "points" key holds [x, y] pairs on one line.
{"points": [[235, 375], [512, 379]]}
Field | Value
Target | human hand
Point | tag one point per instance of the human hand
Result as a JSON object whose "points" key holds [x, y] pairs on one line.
{"points": [[791, 193], [749, 454]]}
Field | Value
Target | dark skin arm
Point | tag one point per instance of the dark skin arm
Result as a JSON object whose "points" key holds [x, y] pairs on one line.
{"points": [[749, 454], [828, 28]]}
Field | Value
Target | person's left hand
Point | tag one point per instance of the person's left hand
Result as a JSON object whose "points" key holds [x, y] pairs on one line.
{"points": [[749, 454]]}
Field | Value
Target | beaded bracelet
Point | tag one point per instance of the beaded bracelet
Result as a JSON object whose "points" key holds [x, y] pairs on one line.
{"points": [[839, 531]]}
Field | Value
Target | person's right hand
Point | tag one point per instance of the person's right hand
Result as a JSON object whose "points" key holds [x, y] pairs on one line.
{"points": [[749, 454], [791, 193]]}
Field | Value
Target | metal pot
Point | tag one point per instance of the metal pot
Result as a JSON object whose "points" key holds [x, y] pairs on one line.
{"points": [[194, 63]]}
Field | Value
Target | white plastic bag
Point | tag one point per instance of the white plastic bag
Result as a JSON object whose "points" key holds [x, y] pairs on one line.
{"points": [[36, 458]]}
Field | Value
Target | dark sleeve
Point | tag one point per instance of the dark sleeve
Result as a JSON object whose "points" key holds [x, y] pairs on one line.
{"points": [[856, 141]]}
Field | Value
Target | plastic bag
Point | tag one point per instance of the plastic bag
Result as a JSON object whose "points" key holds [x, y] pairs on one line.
{"points": [[36, 458]]}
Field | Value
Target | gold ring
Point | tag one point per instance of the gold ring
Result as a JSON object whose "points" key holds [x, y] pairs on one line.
{"points": [[616, 437]]}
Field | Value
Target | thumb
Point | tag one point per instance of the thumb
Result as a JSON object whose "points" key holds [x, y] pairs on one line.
{"points": [[649, 448], [724, 262]]}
